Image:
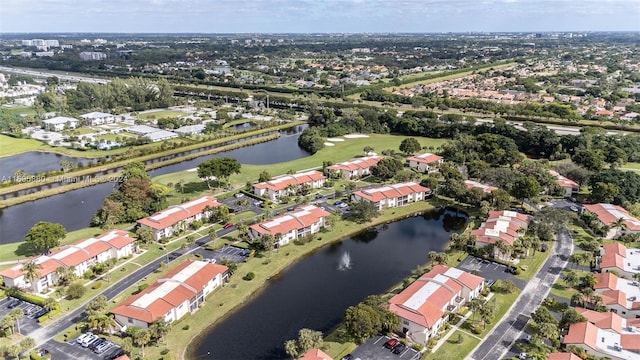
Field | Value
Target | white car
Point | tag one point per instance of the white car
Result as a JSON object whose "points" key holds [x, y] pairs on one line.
{"points": [[83, 337], [523, 356], [574, 209]]}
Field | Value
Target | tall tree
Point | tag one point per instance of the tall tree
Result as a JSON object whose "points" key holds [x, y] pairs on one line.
{"points": [[218, 169], [31, 271], [44, 236], [410, 146]]}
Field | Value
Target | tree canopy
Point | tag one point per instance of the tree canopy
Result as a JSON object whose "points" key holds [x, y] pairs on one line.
{"points": [[43, 236], [218, 169]]}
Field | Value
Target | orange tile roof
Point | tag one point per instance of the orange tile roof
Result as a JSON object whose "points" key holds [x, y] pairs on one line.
{"points": [[426, 158], [423, 301], [74, 254], [356, 164], [630, 342], [390, 191], [315, 354], [281, 182], [603, 320], [611, 260], [609, 214], [501, 225], [563, 181], [582, 333], [615, 248], [178, 286], [605, 280], [300, 218], [562, 356], [174, 214], [474, 184]]}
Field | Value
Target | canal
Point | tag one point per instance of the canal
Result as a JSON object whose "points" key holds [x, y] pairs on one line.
{"points": [[315, 292], [74, 209], [34, 162]]}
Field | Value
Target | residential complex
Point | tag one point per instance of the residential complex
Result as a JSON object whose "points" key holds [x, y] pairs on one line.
{"points": [[619, 295], [98, 118], [605, 335], [356, 168], [306, 220], [425, 305], [569, 186], [474, 184], [79, 257], [426, 162], [505, 226], [315, 354], [60, 123], [616, 217], [180, 292], [176, 218], [395, 195], [617, 257], [286, 185]]}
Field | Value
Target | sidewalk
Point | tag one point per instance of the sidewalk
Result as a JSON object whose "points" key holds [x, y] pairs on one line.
{"points": [[457, 327]]}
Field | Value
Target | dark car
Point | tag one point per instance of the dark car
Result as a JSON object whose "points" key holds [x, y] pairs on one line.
{"points": [[114, 354], [320, 196], [228, 226], [398, 349], [245, 252], [40, 313], [348, 357], [391, 343], [14, 303]]}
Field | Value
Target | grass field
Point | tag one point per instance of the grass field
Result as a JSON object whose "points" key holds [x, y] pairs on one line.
{"points": [[446, 77], [19, 110], [342, 151], [561, 289], [532, 263], [452, 350], [503, 304], [631, 166], [12, 146], [161, 114]]}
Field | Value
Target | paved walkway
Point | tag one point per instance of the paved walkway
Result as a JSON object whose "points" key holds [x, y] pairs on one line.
{"points": [[457, 327], [510, 328]]}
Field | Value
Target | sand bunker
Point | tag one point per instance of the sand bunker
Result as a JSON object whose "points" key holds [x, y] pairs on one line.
{"points": [[356, 136], [335, 139], [329, 144]]}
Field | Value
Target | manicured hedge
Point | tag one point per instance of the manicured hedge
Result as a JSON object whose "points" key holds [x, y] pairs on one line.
{"points": [[34, 299], [49, 314]]}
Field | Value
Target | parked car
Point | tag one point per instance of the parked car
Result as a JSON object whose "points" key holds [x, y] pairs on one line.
{"points": [[398, 349], [523, 356], [40, 313], [574, 209], [14, 303], [338, 203], [347, 357], [114, 354], [320, 196], [227, 226], [102, 347], [238, 195], [88, 340], [96, 343], [210, 261], [245, 252], [391, 343], [83, 337]]}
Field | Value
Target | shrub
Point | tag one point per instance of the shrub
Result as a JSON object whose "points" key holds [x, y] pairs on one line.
{"points": [[250, 276], [96, 285], [417, 347], [140, 288], [164, 352], [34, 299], [88, 274], [75, 291], [186, 327]]}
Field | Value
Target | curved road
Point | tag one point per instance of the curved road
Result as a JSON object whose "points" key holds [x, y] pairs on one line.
{"points": [[497, 344]]}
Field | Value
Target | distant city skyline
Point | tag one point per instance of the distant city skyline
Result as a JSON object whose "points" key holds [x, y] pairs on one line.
{"points": [[317, 16]]}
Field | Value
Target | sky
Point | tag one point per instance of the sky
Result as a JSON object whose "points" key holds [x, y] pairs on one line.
{"points": [[317, 16]]}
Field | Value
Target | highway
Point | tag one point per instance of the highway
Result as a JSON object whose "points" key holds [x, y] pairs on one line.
{"points": [[45, 74]]}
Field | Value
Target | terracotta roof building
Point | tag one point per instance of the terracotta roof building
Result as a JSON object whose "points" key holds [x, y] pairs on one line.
{"points": [[178, 293], [423, 306], [609, 214], [79, 256], [562, 356], [176, 218], [507, 226], [315, 354], [425, 162], [355, 168], [306, 220], [570, 187], [615, 256], [285, 185], [621, 296], [395, 195], [474, 184], [605, 335]]}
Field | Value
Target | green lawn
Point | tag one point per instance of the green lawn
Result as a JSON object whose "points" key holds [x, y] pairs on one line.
{"points": [[532, 264], [452, 350], [337, 350], [12, 146], [561, 289], [342, 151], [161, 114], [503, 303], [18, 110], [631, 166]]}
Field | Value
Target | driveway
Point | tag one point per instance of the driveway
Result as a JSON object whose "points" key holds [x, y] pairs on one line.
{"points": [[373, 349], [489, 270], [26, 324], [60, 350], [510, 328]]}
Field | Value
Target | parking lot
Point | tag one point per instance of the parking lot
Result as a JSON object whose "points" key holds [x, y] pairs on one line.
{"points": [[231, 253], [373, 349], [73, 350], [28, 322], [489, 270]]}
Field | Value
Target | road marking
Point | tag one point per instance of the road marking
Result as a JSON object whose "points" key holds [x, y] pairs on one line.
{"points": [[380, 338]]}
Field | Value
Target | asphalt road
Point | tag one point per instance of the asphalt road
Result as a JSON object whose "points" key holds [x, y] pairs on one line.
{"points": [[497, 344]]}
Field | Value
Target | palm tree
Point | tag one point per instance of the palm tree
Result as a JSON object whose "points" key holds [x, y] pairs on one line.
{"points": [[159, 328], [141, 338], [486, 313], [571, 279], [15, 315], [619, 223], [31, 271], [475, 305], [577, 299], [432, 257], [50, 304]]}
